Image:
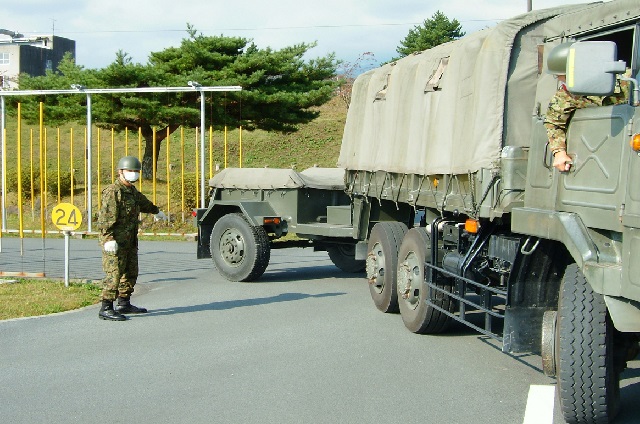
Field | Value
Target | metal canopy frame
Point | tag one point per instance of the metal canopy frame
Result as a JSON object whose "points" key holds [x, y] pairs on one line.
{"points": [[79, 89]]}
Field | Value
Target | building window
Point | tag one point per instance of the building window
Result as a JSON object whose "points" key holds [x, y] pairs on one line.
{"points": [[4, 58], [49, 65]]}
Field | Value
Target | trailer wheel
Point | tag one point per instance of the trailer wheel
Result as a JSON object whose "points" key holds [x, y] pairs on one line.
{"points": [[381, 264], [588, 375], [344, 257], [413, 292], [240, 251]]}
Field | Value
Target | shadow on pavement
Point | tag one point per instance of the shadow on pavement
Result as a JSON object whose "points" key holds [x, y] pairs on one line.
{"points": [[284, 275], [231, 304]]}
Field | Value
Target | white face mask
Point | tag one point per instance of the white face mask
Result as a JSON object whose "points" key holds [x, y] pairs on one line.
{"points": [[131, 176]]}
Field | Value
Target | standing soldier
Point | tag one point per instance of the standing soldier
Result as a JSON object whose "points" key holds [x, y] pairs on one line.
{"points": [[118, 225]]}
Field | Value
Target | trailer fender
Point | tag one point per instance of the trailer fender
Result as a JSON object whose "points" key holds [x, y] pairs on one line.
{"points": [[253, 211]]}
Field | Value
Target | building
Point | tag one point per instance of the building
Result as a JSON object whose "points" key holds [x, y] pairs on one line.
{"points": [[32, 55]]}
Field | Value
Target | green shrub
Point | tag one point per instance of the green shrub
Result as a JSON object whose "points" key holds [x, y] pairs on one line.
{"points": [[12, 182], [190, 190], [52, 183]]}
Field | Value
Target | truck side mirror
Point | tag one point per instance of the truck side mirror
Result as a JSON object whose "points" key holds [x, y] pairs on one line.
{"points": [[592, 67]]}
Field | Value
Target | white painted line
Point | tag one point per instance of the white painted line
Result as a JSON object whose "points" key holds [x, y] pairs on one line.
{"points": [[540, 405]]}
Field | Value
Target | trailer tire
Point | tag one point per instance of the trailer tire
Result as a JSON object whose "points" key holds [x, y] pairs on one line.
{"points": [[588, 375], [382, 262], [240, 251], [344, 257], [413, 292]]}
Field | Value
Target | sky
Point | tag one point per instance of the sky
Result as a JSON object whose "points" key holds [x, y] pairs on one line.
{"points": [[348, 28]]}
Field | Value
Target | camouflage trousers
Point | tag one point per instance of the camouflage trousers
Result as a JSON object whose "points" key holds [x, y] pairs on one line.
{"points": [[121, 271]]}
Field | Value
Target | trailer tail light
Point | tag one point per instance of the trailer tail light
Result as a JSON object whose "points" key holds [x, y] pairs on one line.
{"points": [[635, 143], [471, 226], [271, 220]]}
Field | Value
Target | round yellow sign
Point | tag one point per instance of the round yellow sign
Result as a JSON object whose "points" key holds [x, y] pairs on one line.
{"points": [[66, 216]]}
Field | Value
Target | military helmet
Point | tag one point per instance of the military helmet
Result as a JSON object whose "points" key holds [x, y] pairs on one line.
{"points": [[557, 59], [130, 162]]}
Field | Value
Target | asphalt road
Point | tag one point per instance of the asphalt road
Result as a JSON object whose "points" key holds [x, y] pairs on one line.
{"points": [[303, 345]]}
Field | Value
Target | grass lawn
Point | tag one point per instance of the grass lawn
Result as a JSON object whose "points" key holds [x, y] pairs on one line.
{"points": [[26, 297]]}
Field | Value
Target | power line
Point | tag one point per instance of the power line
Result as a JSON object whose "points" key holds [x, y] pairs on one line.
{"points": [[141, 31]]}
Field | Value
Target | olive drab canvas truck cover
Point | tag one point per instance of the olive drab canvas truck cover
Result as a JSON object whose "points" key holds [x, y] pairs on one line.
{"points": [[451, 109]]}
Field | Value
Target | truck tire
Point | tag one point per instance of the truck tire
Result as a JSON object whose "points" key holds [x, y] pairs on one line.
{"points": [[240, 251], [382, 262], [413, 292], [588, 377], [344, 257]]}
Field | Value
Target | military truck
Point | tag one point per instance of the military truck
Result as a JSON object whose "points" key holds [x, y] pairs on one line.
{"points": [[447, 196]]}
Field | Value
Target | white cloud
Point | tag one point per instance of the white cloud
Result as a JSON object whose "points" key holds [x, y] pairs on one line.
{"points": [[346, 27]]}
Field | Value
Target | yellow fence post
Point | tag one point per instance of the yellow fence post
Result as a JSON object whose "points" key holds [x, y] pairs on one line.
{"points": [[210, 151], [153, 168], [33, 206], [182, 172], [168, 170], [197, 173], [113, 163], [225, 147], [43, 171], [45, 190], [58, 168], [71, 159], [240, 154], [98, 170], [19, 154], [3, 182], [86, 171], [140, 153]]}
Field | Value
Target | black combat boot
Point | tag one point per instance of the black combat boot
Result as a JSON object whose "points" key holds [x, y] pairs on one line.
{"points": [[107, 312], [125, 307]]}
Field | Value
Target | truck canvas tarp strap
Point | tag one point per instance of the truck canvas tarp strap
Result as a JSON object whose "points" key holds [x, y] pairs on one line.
{"points": [[442, 111]]}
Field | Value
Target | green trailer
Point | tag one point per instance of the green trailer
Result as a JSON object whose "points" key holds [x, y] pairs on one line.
{"points": [[252, 211]]}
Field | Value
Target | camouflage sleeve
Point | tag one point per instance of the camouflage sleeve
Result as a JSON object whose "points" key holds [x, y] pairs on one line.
{"points": [[146, 205], [620, 94], [108, 213], [561, 106]]}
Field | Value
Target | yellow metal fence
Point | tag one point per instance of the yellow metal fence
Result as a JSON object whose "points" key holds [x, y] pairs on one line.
{"points": [[35, 155]]}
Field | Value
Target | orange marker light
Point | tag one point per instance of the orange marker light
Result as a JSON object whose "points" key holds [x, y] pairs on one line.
{"points": [[271, 220], [635, 142], [471, 226]]}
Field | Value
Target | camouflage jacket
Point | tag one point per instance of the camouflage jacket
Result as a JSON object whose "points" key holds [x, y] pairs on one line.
{"points": [[118, 218], [562, 106]]}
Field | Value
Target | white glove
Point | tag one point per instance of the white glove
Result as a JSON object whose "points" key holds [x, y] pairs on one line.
{"points": [[160, 216], [111, 246]]}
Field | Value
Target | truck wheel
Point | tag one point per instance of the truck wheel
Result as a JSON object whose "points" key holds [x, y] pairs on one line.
{"points": [[239, 250], [381, 264], [344, 257], [588, 376], [413, 291]]}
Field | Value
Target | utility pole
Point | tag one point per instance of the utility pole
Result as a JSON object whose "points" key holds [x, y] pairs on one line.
{"points": [[529, 5]]}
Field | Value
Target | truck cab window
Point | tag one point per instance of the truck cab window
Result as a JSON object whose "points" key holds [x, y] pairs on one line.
{"points": [[626, 41]]}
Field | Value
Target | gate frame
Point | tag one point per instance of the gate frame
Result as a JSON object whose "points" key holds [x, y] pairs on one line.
{"points": [[80, 89]]}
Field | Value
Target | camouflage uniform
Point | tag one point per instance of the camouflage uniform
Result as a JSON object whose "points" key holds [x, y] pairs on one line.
{"points": [[562, 106], [118, 220]]}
